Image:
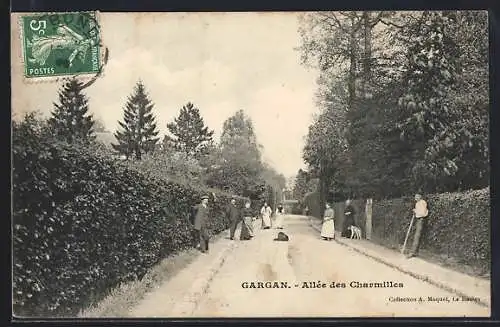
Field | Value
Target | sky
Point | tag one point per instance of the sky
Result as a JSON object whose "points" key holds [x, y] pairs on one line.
{"points": [[221, 62]]}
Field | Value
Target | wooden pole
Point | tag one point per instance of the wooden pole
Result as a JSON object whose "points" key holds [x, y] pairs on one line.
{"points": [[369, 224], [407, 235]]}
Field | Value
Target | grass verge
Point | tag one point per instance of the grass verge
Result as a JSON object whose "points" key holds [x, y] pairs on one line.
{"points": [[127, 295]]}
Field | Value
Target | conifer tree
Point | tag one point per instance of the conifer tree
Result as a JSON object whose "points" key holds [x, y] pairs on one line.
{"points": [[70, 119], [138, 132], [189, 133]]}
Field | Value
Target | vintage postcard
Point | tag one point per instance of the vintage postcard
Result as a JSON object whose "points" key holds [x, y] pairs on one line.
{"points": [[250, 164]]}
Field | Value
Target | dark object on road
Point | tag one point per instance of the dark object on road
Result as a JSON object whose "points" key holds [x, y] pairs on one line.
{"points": [[282, 237]]}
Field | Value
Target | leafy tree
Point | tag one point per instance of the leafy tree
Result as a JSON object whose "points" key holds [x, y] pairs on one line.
{"points": [[468, 104], [275, 183], [430, 74], [411, 112], [300, 185], [189, 133], [345, 44], [70, 120], [339, 44], [326, 150], [378, 159], [312, 185], [138, 133], [239, 170]]}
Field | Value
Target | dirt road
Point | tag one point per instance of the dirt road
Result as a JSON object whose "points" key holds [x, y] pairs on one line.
{"points": [[337, 277]]}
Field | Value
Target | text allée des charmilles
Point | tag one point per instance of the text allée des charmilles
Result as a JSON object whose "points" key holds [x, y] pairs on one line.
{"points": [[320, 284]]}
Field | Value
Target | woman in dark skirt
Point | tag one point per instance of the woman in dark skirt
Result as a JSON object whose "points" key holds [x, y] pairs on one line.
{"points": [[349, 219], [246, 227]]}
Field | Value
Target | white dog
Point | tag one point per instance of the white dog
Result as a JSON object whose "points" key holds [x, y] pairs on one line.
{"points": [[355, 232]]}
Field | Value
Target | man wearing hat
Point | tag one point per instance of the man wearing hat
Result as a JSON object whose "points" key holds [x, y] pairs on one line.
{"points": [[234, 215], [200, 224]]}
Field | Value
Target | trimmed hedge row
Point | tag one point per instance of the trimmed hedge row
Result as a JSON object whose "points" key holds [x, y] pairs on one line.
{"points": [[83, 223], [458, 225]]}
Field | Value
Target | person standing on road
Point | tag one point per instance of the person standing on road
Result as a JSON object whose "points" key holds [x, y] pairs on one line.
{"points": [[420, 213], [200, 224], [349, 218], [266, 212], [234, 216], [280, 215], [328, 228], [246, 226]]}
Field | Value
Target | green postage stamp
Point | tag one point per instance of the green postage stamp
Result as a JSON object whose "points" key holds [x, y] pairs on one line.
{"points": [[60, 44]]}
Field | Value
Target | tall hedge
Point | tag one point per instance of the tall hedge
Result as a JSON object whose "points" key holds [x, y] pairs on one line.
{"points": [[82, 223], [458, 225]]}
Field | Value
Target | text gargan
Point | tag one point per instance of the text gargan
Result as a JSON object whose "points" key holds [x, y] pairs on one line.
{"points": [[260, 284]]}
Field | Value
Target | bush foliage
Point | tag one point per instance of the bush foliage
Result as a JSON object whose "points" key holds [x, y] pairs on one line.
{"points": [[83, 223]]}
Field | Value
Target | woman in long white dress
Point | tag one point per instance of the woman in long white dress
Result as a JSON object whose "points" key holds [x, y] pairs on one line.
{"points": [[280, 213], [328, 228], [266, 216]]}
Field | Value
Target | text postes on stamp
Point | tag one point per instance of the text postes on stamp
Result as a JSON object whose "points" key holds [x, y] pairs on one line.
{"points": [[59, 44]]}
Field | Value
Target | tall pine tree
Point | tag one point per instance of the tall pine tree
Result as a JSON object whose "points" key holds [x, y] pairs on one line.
{"points": [[138, 133], [189, 133], [70, 119]]}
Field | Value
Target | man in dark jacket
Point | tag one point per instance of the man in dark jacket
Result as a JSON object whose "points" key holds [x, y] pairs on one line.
{"points": [[349, 218], [234, 215], [200, 224]]}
